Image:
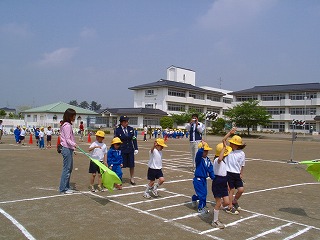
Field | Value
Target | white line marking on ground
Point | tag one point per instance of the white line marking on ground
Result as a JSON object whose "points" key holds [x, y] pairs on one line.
{"points": [[39, 198], [183, 217], [17, 224], [154, 199], [165, 207], [269, 231], [298, 233]]}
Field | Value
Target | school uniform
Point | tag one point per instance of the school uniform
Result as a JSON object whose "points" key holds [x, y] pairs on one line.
{"points": [[220, 182], [235, 161], [115, 160]]}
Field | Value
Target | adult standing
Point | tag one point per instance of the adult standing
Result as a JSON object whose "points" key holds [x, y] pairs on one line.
{"points": [[68, 143], [129, 146], [195, 129], [145, 132], [81, 131], [1, 130]]}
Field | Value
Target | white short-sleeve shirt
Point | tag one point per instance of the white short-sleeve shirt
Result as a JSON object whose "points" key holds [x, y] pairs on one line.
{"points": [[235, 161], [98, 153], [219, 169], [155, 160]]}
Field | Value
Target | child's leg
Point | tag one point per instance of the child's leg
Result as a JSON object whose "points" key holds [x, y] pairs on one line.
{"points": [[240, 190], [216, 209], [92, 177]]}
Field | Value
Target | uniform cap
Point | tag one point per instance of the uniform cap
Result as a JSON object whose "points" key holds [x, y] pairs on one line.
{"points": [[123, 118], [100, 133], [205, 146], [115, 140], [219, 148], [160, 142], [236, 140]]}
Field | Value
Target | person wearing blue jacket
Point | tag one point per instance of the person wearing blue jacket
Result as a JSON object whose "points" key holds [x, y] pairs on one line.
{"points": [[115, 160], [16, 133], [36, 134], [204, 168]]}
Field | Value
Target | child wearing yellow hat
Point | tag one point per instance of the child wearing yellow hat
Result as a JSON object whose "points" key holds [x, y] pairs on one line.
{"points": [[98, 150], [235, 165], [115, 160], [204, 168], [220, 182], [155, 168]]}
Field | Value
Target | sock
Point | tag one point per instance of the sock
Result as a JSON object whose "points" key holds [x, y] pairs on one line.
{"points": [[148, 189], [215, 215], [155, 186]]}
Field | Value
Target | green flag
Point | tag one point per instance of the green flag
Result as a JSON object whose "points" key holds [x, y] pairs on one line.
{"points": [[313, 168], [109, 177]]}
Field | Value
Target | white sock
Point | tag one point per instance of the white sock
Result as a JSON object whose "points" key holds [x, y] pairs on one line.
{"points": [[155, 186], [215, 215], [148, 189]]}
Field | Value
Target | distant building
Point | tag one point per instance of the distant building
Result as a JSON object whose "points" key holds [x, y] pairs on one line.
{"points": [[8, 111], [179, 94], [285, 103]]}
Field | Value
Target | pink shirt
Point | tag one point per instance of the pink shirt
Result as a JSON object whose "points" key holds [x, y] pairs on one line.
{"points": [[66, 136]]}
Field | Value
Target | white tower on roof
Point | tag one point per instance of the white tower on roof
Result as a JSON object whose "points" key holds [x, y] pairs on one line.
{"points": [[182, 75]]}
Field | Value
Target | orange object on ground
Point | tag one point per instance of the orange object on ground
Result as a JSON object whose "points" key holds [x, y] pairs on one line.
{"points": [[58, 141], [30, 139], [89, 138]]}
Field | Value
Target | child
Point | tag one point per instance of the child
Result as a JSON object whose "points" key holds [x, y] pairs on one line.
{"points": [[22, 135], [81, 131], [220, 183], [235, 163], [41, 138], [49, 136], [98, 150], [36, 134], [204, 168], [115, 160], [155, 168]]}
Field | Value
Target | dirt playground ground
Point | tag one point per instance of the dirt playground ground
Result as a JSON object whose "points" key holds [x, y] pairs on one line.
{"points": [[281, 200]]}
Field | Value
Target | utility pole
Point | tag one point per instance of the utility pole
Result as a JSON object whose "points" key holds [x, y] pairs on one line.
{"points": [[220, 83]]}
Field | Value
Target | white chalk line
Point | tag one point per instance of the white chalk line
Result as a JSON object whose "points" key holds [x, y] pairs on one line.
{"points": [[298, 233], [269, 231], [17, 224]]}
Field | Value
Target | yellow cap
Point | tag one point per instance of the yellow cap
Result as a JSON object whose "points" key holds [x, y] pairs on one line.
{"points": [[236, 140], [219, 148], [160, 142], [100, 133], [205, 146], [116, 140]]}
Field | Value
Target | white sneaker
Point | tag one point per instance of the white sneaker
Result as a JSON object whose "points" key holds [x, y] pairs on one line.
{"points": [[203, 210], [154, 191], [69, 191], [218, 224], [146, 195]]}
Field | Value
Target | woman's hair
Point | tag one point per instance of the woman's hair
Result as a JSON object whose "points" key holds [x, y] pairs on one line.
{"points": [[68, 115]]}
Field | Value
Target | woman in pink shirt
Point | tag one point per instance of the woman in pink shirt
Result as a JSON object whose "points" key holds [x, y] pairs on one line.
{"points": [[68, 145]]}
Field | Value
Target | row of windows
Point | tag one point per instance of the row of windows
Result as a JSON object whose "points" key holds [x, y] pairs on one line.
{"points": [[277, 97], [176, 93], [276, 111], [196, 95], [196, 108], [176, 107], [213, 98], [245, 98], [272, 97], [302, 96], [302, 111]]}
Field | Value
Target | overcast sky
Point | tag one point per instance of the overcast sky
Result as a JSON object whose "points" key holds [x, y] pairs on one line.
{"points": [[85, 50]]}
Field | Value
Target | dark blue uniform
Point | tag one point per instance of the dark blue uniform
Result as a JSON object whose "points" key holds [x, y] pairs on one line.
{"points": [[129, 144]]}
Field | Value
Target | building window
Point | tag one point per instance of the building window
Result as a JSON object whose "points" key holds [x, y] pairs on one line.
{"points": [[54, 118], [302, 111], [276, 125], [149, 105], [227, 100], [272, 97], [151, 121], [133, 120], [149, 92], [214, 98], [176, 93], [176, 107], [276, 111], [196, 108], [301, 96], [196, 95], [244, 98], [213, 109]]}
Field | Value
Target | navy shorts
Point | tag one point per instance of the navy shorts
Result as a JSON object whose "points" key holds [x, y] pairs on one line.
{"points": [[234, 180], [220, 186], [48, 138], [128, 160], [21, 138], [154, 174], [93, 168]]}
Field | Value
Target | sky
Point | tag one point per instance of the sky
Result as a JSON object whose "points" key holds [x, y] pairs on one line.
{"points": [[83, 50]]}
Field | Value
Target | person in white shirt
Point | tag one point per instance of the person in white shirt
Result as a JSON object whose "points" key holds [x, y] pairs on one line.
{"points": [[155, 168], [49, 136], [22, 135], [235, 163]]}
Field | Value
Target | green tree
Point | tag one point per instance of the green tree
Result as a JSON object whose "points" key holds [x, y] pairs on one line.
{"points": [[2, 113], [166, 122], [74, 103], [218, 125], [248, 114], [185, 117], [84, 104], [94, 106]]}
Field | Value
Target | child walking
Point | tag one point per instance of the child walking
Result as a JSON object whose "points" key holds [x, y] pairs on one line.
{"points": [[41, 138], [98, 150], [115, 160], [235, 163], [220, 183], [204, 168], [155, 168]]}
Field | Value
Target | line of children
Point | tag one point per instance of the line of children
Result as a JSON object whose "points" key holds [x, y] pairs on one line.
{"points": [[98, 150], [155, 168], [204, 168], [115, 160]]}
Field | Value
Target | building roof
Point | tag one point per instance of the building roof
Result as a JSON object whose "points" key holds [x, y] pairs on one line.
{"points": [[59, 107], [172, 66], [307, 87], [134, 111], [8, 109], [173, 84]]}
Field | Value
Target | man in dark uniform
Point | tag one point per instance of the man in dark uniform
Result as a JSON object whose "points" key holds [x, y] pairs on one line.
{"points": [[129, 146]]}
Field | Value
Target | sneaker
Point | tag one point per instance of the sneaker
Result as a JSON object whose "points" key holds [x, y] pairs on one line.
{"points": [[218, 224], [236, 206], [154, 192], [146, 195], [203, 211], [92, 189], [194, 204], [100, 188], [69, 191], [231, 211]]}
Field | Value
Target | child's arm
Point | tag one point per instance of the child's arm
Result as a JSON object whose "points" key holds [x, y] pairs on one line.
{"points": [[232, 131], [92, 148], [153, 147], [105, 159], [221, 156]]}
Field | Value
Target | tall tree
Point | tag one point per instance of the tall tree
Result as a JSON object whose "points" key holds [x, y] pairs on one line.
{"points": [[94, 106], [2, 113], [248, 114], [84, 104], [74, 103]]}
